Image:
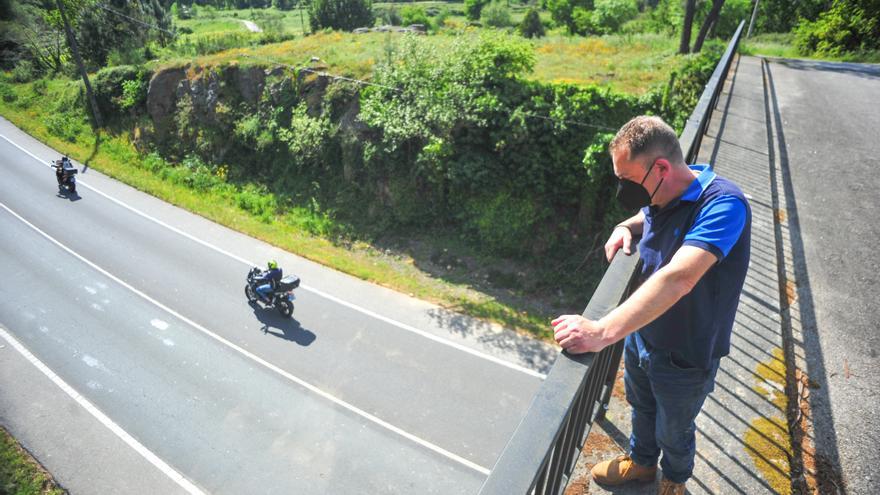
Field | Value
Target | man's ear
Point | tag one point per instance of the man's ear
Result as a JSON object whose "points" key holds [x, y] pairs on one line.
{"points": [[663, 165]]}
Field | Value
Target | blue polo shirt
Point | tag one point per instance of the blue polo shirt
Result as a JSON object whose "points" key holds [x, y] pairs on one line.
{"points": [[712, 214]]}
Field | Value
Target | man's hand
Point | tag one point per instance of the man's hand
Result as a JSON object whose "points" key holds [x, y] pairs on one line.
{"points": [[577, 334], [621, 237]]}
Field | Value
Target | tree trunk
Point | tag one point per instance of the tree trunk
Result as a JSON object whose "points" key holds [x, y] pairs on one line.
{"points": [[689, 7], [707, 23], [71, 40]]}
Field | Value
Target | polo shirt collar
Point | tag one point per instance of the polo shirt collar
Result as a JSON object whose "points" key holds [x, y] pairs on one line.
{"points": [[695, 190], [692, 193]]}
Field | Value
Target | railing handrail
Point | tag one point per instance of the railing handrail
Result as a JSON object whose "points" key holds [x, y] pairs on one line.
{"points": [[550, 429]]}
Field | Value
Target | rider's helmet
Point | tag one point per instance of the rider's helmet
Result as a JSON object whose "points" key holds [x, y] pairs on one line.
{"points": [[272, 264]]}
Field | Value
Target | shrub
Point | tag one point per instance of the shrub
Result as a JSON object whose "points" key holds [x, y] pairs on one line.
{"points": [[412, 14], [388, 15], [607, 16], [344, 15], [24, 71], [134, 93], [473, 8], [258, 201], [7, 93], [64, 125], [849, 26], [531, 26], [496, 14], [109, 87]]}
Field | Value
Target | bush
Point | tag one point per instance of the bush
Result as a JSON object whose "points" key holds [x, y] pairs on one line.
{"points": [[134, 93], [607, 16], [64, 125], [412, 14], [258, 201], [345, 15], [7, 93], [473, 8], [531, 26], [110, 90], [496, 14], [849, 26], [388, 15], [24, 71]]}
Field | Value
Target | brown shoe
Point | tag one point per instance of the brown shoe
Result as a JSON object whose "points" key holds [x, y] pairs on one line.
{"points": [[621, 470], [670, 488]]}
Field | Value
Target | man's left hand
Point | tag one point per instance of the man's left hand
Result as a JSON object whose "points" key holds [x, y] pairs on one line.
{"points": [[577, 334]]}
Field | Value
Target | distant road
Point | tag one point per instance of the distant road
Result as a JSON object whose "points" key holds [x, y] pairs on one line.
{"points": [[831, 128], [364, 391], [252, 27]]}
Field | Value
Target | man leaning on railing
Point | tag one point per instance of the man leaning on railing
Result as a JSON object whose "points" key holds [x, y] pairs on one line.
{"points": [[695, 233]]}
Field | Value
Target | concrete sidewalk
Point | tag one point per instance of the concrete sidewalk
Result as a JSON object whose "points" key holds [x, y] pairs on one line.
{"points": [[743, 439]]}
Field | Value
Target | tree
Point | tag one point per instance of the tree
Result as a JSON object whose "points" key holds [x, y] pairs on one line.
{"points": [[708, 22], [496, 15], [531, 26], [849, 26], [474, 8], [685, 45], [345, 15]]}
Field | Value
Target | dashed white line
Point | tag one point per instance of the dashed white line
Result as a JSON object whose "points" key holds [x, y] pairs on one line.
{"points": [[402, 326], [101, 417], [374, 419]]}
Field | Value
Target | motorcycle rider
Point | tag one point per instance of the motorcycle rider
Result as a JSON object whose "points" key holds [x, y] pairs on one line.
{"points": [[61, 166], [270, 279]]}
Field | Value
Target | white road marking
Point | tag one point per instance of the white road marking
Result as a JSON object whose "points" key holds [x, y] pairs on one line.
{"points": [[161, 325], [424, 443], [402, 326], [101, 417]]}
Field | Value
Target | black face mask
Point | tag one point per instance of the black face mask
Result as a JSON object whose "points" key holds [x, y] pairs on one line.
{"points": [[633, 196]]}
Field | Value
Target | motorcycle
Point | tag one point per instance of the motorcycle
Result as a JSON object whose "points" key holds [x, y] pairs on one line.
{"points": [[65, 174], [281, 298]]}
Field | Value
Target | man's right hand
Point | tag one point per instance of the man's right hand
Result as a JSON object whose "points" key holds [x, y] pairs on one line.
{"points": [[621, 237]]}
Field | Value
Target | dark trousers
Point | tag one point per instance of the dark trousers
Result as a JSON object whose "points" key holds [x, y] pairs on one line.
{"points": [[666, 395]]}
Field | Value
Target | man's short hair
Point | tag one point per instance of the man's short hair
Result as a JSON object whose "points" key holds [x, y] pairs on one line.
{"points": [[646, 135]]}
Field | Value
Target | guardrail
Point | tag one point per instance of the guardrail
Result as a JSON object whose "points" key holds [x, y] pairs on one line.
{"points": [[545, 446]]}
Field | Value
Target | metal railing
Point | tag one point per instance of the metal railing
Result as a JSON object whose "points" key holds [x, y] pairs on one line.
{"points": [[544, 448]]}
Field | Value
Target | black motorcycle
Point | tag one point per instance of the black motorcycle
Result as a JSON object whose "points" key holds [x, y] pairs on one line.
{"points": [[281, 298], [65, 174]]}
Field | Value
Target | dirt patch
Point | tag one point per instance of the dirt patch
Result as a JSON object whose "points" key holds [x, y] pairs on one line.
{"points": [[598, 447]]}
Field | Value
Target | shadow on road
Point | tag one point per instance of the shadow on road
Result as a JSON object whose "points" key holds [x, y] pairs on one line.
{"points": [[284, 328], [64, 194]]}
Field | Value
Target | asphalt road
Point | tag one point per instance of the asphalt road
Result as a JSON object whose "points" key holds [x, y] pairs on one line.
{"points": [[364, 390], [829, 127]]}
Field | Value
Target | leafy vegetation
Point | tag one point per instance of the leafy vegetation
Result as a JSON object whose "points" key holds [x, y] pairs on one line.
{"points": [[345, 15]]}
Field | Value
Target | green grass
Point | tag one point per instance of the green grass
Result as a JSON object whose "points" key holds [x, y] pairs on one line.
{"points": [[781, 45], [20, 474], [211, 21], [631, 64]]}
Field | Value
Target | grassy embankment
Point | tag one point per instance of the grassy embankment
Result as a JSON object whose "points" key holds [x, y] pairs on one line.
{"points": [[19, 473], [630, 64]]}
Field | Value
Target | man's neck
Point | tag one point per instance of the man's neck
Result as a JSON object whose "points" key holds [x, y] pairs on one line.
{"points": [[679, 181]]}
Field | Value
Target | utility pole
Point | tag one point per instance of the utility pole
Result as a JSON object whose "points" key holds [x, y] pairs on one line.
{"points": [[752, 22], [302, 23], [71, 40]]}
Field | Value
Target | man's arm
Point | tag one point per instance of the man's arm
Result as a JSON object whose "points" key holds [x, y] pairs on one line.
{"points": [[662, 290], [623, 233]]}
